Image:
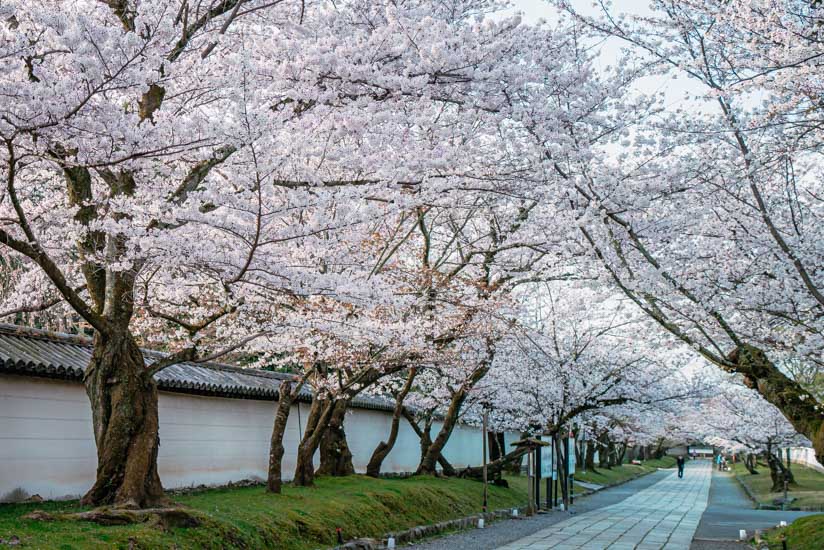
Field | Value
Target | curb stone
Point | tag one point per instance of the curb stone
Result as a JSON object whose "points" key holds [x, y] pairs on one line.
{"points": [[425, 531], [760, 506]]}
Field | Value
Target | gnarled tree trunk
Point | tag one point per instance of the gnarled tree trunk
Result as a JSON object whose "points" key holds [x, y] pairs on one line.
{"points": [[433, 451], [335, 456], [495, 467], [426, 441], [383, 449], [798, 405], [274, 480], [123, 397], [319, 414]]}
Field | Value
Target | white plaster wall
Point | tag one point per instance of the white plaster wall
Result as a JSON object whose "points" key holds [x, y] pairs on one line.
{"points": [[47, 444], [46, 437], [805, 456]]}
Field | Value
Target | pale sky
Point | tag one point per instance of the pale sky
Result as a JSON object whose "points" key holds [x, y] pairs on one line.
{"points": [[674, 89]]}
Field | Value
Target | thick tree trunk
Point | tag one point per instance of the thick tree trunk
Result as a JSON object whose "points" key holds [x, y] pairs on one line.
{"points": [[775, 472], [335, 456], [383, 449], [123, 397], [276, 450], [803, 411], [621, 453], [495, 467], [749, 464], [659, 448], [579, 454], [318, 417], [426, 441], [430, 457], [589, 455]]}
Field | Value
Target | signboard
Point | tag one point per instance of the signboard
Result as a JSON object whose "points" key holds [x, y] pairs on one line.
{"points": [[571, 457], [547, 463]]}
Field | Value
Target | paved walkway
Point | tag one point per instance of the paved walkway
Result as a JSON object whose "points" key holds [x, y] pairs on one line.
{"points": [[729, 510], [663, 516]]}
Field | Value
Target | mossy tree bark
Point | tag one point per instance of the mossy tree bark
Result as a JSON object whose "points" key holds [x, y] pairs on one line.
{"points": [[335, 456], [319, 414], [373, 468], [430, 458], [123, 396], [286, 396], [797, 404]]}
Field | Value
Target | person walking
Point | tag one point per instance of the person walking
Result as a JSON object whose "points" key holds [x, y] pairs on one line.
{"points": [[680, 462]]}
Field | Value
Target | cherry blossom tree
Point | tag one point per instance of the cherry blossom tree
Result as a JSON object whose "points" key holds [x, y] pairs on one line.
{"points": [[194, 167], [709, 218]]}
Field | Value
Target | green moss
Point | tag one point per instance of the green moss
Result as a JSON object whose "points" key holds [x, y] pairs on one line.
{"points": [[299, 519], [803, 534]]}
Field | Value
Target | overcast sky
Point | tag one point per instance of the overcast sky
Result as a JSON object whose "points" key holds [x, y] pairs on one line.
{"points": [[674, 89]]}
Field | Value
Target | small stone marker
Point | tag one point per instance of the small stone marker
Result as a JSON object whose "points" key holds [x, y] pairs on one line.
{"points": [[782, 523], [390, 542], [742, 534], [514, 512], [480, 523]]}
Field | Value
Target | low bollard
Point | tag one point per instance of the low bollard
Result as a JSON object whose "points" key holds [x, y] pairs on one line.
{"points": [[480, 523], [782, 523], [742, 534], [514, 512], [390, 542]]}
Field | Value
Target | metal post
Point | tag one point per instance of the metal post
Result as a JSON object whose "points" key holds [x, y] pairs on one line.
{"points": [[566, 473], [486, 492], [788, 459], [538, 477]]}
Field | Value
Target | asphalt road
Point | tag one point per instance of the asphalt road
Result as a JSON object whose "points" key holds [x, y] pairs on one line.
{"points": [[729, 510]]}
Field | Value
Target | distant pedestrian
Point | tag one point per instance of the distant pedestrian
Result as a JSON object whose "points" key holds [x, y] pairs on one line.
{"points": [[719, 460], [680, 462]]}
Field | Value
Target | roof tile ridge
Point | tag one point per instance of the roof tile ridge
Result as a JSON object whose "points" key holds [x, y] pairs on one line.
{"points": [[42, 334]]}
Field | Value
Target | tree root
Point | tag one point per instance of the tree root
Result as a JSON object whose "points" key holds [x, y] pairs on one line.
{"points": [[163, 518]]}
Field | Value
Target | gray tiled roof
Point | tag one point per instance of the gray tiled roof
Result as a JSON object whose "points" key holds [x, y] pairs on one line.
{"points": [[34, 352]]}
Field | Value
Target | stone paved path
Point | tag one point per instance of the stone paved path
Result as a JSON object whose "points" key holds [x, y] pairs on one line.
{"points": [[663, 516]]}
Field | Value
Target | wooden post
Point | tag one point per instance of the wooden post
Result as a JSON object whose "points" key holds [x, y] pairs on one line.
{"points": [[530, 467]]}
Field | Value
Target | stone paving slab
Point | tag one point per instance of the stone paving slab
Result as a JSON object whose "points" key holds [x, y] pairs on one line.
{"points": [[663, 516]]}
